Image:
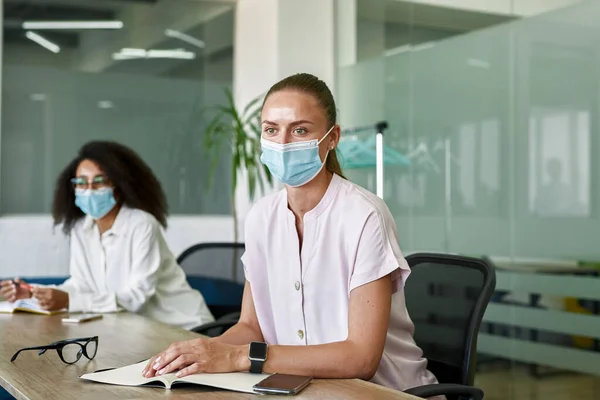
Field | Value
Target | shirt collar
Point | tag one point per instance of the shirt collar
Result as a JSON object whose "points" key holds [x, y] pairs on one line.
{"points": [[117, 226], [88, 223], [328, 197]]}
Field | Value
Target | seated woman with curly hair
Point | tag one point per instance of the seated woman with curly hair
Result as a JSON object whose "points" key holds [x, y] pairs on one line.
{"points": [[112, 206]]}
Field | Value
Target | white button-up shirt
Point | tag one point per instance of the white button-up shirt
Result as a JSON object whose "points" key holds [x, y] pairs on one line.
{"points": [[131, 267], [301, 295]]}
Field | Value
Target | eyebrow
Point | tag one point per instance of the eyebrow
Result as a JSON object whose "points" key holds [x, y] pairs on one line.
{"points": [[300, 122]]}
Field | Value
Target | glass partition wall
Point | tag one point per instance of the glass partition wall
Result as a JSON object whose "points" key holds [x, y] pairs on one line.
{"points": [[141, 73], [495, 105]]}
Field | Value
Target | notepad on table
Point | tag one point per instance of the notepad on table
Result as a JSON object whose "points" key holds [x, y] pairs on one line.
{"points": [[26, 305], [131, 375]]}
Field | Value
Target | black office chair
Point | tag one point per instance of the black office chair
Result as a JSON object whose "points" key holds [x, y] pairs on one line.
{"points": [[217, 328], [216, 270], [446, 297]]}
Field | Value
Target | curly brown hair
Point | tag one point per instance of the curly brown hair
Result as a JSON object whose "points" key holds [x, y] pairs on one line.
{"points": [[135, 184]]}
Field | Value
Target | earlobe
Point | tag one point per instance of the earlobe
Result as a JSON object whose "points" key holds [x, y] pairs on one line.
{"points": [[332, 144]]}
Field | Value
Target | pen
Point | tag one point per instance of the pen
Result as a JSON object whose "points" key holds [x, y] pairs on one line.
{"points": [[23, 285]]}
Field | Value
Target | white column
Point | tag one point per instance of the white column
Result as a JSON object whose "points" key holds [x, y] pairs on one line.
{"points": [[306, 38], [346, 33], [274, 39]]}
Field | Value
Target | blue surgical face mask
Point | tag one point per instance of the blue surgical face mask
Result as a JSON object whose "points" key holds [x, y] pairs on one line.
{"points": [[294, 164], [95, 202]]}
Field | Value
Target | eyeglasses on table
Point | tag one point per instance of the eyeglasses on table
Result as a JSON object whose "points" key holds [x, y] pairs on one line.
{"points": [[69, 350]]}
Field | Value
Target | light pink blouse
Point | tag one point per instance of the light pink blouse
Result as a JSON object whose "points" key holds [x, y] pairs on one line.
{"points": [[301, 296]]}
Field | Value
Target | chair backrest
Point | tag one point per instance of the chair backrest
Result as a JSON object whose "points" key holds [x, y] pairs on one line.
{"points": [[446, 297], [214, 260], [216, 270]]}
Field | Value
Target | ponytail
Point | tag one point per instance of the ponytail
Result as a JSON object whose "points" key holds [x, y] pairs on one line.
{"points": [[333, 165]]}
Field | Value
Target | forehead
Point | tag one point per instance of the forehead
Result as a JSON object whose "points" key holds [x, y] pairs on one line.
{"points": [[88, 168], [290, 106]]}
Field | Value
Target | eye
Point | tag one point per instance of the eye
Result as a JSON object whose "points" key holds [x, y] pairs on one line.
{"points": [[269, 131], [79, 182], [300, 131], [99, 181]]}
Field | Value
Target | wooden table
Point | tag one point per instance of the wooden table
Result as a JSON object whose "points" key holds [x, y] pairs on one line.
{"points": [[123, 339]]}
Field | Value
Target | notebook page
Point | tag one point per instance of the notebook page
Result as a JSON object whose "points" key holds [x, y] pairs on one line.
{"points": [[130, 375], [29, 305], [25, 304], [6, 307]]}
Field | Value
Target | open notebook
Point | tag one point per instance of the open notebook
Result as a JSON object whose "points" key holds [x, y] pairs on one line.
{"points": [[26, 305], [131, 375]]}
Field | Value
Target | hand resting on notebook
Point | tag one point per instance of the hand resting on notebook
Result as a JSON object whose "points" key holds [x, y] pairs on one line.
{"points": [[198, 355]]}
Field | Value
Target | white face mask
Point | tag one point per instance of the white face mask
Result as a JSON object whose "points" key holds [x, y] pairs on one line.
{"points": [[95, 202], [296, 163]]}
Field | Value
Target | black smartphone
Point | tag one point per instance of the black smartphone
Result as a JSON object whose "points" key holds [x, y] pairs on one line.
{"points": [[282, 384]]}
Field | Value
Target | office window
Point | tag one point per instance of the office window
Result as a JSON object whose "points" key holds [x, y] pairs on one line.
{"points": [[559, 163], [476, 165]]}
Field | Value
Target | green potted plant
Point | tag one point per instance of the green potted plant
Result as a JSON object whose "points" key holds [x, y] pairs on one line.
{"points": [[238, 132]]}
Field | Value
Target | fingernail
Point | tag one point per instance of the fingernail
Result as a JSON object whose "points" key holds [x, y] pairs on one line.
{"points": [[179, 374], [157, 360], [156, 366], [162, 371]]}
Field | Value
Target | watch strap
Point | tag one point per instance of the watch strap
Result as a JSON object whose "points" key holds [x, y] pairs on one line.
{"points": [[256, 366]]}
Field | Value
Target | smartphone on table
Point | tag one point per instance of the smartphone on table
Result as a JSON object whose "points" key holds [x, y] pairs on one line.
{"points": [[79, 318], [282, 384]]}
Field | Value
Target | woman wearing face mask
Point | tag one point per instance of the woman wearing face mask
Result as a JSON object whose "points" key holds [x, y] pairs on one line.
{"points": [[324, 292], [112, 206]]}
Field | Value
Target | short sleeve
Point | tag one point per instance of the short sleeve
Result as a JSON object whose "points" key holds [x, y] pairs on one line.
{"points": [[251, 252], [378, 253]]}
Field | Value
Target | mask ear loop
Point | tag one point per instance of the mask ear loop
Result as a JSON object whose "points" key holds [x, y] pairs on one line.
{"points": [[328, 132], [328, 148]]}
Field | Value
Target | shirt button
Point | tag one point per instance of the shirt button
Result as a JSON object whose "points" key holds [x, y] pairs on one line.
{"points": [[300, 334], [297, 285]]}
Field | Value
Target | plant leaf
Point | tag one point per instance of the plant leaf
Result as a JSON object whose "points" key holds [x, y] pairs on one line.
{"points": [[268, 174], [259, 178], [252, 105], [239, 133], [235, 166]]}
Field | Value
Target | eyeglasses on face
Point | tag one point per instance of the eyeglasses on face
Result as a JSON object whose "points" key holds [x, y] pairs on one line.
{"points": [[69, 350], [82, 182]]}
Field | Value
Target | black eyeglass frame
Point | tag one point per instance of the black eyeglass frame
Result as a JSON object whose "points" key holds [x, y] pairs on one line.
{"points": [[59, 345]]}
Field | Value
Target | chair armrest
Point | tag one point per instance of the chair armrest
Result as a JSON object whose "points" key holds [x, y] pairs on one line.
{"points": [[234, 316], [223, 324], [453, 389]]}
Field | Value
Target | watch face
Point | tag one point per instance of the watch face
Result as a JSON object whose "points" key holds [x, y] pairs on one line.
{"points": [[258, 351]]}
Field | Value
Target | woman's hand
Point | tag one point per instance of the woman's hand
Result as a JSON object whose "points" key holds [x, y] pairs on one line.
{"points": [[13, 292], [51, 299], [198, 355]]}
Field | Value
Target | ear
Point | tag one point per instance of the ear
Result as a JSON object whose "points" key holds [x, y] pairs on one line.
{"points": [[117, 194], [334, 137]]}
